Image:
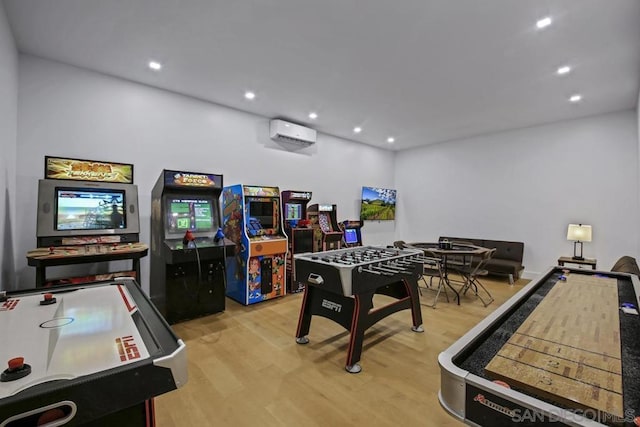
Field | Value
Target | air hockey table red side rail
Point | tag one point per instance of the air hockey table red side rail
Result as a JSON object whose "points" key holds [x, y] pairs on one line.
{"points": [[98, 355], [469, 393]]}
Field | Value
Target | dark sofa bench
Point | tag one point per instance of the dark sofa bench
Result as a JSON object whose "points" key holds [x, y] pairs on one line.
{"points": [[507, 259], [626, 264]]}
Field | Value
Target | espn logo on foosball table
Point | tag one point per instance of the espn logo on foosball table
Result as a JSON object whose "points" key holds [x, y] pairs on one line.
{"points": [[127, 348], [9, 304]]}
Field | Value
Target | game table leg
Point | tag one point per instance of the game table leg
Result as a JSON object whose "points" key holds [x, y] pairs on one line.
{"points": [[136, 268], [359, 324], [304, 321], [40, 276]]}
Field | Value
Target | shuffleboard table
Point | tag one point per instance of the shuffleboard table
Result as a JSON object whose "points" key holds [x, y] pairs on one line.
{"points": [[565, 350]]}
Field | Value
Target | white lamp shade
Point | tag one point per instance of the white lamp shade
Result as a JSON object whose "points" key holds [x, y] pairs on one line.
{"points": [[579, 233]]}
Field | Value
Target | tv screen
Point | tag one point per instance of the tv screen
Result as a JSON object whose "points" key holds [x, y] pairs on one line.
{"points": [[293, 211], [350, 235], [378, 204], [88, 209], [262, 212], [194, 214]]}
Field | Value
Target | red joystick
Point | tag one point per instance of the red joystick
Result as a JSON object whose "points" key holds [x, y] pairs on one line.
{"points": [[188, 237], [16, 363], [50, 249]]}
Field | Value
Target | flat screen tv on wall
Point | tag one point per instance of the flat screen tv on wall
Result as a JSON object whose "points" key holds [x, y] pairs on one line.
{"points": [[378, 204]]}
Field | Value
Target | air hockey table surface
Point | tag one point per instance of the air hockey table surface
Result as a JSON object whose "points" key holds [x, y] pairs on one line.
{"points": [[91, 350], [562, 351]]}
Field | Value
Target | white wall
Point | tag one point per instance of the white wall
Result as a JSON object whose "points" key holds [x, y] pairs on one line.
{"points": [[8, 128], [66, 111], [527, 185]]}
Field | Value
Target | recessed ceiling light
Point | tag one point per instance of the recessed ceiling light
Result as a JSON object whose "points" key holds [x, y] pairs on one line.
{"points": [[357, 129], [313, 116], [391, 140], [575, 98], [564, 70], [249, 95], [156, 66], [544, 22]]}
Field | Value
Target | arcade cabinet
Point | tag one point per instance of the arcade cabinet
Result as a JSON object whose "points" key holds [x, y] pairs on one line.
{"points": [[296, 227], [187, 245], [87, 214], [252, 220], [352, 234], [326, 232]]}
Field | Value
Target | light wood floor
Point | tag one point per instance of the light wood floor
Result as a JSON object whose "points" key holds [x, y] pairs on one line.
{"points": [[245, 368]]}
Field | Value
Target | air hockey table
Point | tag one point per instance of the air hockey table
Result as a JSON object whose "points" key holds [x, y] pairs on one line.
{"points": [[94, 354], [564, 350]]}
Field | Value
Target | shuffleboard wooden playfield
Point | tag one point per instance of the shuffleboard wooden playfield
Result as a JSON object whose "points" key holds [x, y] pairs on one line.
{"points": [[566, 344], [568, 349]]}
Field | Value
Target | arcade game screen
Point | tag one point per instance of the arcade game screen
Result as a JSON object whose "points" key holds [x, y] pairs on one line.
{"points": [[189, 214], [78, 209], [350, 236], [293, 211], [262, 211]]}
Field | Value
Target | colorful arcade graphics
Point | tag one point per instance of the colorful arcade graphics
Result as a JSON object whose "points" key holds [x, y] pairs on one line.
{"points": [[253, 221], [327, 234], [298, 230], [187, 245]]}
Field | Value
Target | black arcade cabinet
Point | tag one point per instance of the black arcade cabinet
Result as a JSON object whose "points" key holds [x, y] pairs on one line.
{"points": [[188, 248], [352, 232], [299, 231]]}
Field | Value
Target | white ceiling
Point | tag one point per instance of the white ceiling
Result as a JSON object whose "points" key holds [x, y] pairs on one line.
{"points": [[424, 71]]}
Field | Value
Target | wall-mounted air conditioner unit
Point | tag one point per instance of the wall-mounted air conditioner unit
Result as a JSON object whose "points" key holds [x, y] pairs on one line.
{"points": [[290, 132]]}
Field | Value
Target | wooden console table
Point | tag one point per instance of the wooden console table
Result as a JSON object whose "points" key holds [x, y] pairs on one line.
{"points": [[569, 260], [41, 258]]}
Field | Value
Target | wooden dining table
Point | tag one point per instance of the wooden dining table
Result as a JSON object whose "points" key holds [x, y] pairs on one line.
{"points": [[457, 250]]}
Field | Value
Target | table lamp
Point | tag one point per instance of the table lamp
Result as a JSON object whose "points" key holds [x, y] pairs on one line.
{"points": [[578, 233]]}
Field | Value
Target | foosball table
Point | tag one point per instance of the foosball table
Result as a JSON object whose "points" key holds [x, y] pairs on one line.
{"points": [[340, 285]]}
